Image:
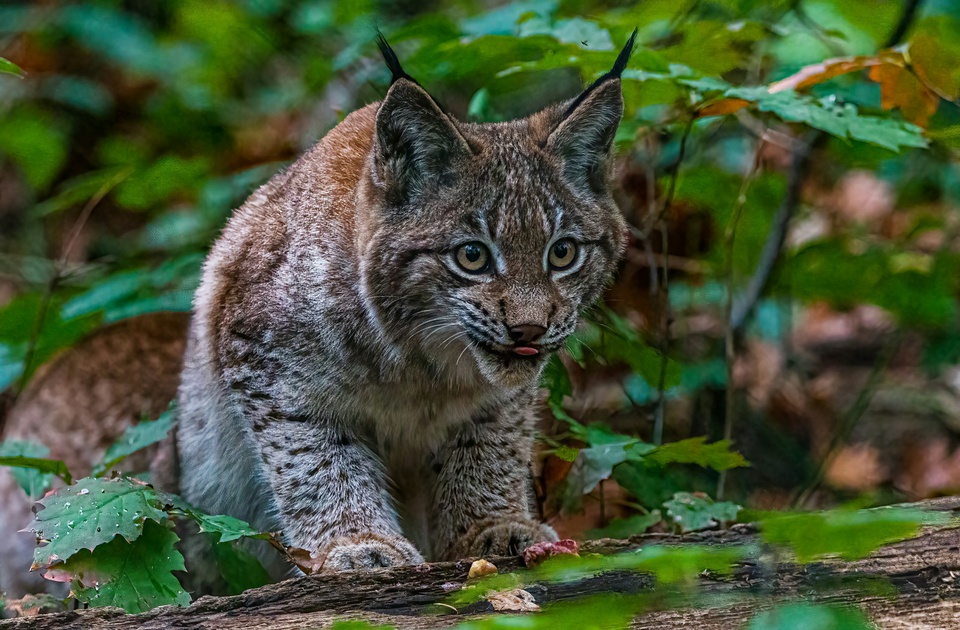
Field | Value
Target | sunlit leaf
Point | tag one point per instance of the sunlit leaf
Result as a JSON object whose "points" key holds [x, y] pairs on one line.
{"points": [[849, 535], [717, 455], [36, 141], [935, 54], [8, 67]]}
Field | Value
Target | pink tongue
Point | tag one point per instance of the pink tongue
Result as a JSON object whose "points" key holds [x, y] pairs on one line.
{"points": [[525, 351]]}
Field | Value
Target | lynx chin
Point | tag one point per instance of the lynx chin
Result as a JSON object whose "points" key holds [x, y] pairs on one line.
{"points": [[371, 326]]}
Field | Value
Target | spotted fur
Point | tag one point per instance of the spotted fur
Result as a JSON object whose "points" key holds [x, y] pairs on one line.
{"points": [[346, 382]]}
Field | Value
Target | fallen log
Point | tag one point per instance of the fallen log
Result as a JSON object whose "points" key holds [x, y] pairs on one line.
{"points": [[920, 577]]}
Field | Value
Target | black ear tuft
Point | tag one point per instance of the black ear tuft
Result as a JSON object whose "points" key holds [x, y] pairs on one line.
{"points": [[618, 67], [621, 63], [393, 63]]}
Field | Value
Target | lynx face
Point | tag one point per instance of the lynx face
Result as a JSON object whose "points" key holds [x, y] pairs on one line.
{"points": [[491, 239]]}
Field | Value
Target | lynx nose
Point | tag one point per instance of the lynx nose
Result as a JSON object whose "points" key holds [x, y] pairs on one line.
{"points": [[526, 333]]}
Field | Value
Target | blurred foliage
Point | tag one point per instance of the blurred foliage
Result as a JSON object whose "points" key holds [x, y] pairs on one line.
{"points": [[128, 131]]}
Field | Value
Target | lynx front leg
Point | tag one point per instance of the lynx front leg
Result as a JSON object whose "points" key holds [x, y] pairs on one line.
{"points": [[331, 491], [482, 498]]}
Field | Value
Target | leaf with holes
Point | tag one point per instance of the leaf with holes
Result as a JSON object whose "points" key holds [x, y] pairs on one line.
{"points": [[91, 513], [135, 576]]}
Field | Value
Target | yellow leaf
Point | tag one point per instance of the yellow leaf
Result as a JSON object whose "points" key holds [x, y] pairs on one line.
{"points": [[900, 89], [817, 73], [723, 107]]}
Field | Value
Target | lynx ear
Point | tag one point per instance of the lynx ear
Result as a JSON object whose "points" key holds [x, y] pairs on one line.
{"points": [[584, 136], [416, 144]]}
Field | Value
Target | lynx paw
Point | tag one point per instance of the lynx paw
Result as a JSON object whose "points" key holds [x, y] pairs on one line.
{"points": [[369, 551], [503, 538]]}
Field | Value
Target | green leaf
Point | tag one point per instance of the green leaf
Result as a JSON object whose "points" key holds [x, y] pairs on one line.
{"points": [[717, 456], [621, 528], [809, 616], [843, 121], [225, 528], [691, 512], [240, 569], [160, 181], [607, 450], [18, 321], [33, 473], [849, 535], [135, 576], [8, 67], [228, 527], [137, 437], [36, 141], [566, 453], [583, 33], [91, 513], [557, 380]]}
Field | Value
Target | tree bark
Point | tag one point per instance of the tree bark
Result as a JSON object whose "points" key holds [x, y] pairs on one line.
{"points": [[920, 575]]}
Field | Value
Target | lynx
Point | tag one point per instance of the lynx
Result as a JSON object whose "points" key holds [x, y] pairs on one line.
{"points": [[371, 325]]}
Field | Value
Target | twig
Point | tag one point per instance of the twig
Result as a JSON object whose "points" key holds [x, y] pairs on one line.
{"points": [[781, 222], [663, 219], [730, 337], [58, 274], [906, 20], [851, 418], [744, 304]]}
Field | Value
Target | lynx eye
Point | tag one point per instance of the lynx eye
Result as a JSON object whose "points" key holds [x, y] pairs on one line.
{"points": [[562, 254], [473, 257]]}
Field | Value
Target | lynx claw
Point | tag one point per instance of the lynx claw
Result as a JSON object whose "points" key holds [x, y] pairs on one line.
{"points": [[506, 538], [369, 551]]}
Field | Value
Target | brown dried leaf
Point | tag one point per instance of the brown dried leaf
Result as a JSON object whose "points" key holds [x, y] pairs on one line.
{"points": [[930, 468], [856, 467], [723, 107], [302, 558], [517, 600]]}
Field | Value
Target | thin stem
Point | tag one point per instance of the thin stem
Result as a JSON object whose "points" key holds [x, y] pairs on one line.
{"points": [[663, 220], [730, 336], [58, 274], [851, 418]]}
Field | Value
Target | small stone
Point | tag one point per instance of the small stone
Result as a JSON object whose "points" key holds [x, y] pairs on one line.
{"points": [[480, 568]]}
